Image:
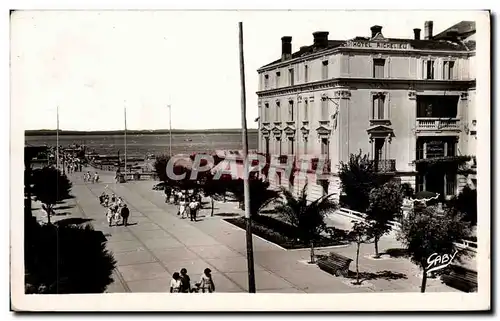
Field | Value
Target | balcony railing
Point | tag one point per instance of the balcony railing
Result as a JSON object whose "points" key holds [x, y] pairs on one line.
{"points": [[438, 123], [326, 165], [385, 165]]}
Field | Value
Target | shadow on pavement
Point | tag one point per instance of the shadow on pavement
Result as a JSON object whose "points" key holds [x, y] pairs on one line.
{"points": [[385, 275], [61, 213], [396, 252], [73, 221], [227, 214], [64, 207]]}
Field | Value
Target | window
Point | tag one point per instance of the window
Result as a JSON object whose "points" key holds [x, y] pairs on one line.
{"points": [[290, 110], [324, 147], [305, 146], [266, 112], [306, 109], [278, 74], [448, 70], [324, 109], [266, 144], [278, 111], [290, 77], [291, 146], [379, 149], [429, 68], [437, 106], [378, 68], [278, 146], [306, 73], [266, 81], [378, 110], [324, 70]]}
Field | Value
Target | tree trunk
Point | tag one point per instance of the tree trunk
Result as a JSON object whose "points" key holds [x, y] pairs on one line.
{"points": [[312, 252], [49, 211], [424, 281], [357, 263], [212, 199], [376, 248]]}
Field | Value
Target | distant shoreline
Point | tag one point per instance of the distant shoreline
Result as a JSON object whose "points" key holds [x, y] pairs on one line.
{"points": [[51, 132]]}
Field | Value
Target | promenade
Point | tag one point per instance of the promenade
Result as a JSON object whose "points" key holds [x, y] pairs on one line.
{"points": [[158, 243]]}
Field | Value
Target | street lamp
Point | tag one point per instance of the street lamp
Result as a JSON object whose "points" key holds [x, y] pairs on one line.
{"points": [[170, 124]]}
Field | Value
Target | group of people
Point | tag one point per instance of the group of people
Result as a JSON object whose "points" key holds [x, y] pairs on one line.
{"points": [[87, 177], [189, 203], [181, 282], [117, 209]]}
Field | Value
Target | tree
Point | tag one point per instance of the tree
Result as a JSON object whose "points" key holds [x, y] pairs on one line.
{"points": [[214, 188], [309, 219], [360, 233], [50, 186], [424, 232], [358, 178], [465, 203], [260, 194], [385, 205], [66, 259]]}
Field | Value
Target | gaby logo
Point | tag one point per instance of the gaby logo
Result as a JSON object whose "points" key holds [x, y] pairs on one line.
{"points": [[437, 262]]}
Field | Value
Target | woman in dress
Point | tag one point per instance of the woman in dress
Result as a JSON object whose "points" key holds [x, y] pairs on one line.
{"points": [[206, 282], [175, 283]]}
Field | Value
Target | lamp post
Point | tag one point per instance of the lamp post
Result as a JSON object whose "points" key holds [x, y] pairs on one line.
{"points": [[170, 130], [57, 139], [125, 138]]}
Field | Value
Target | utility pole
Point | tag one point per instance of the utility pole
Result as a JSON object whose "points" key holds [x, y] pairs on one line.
{"points": [[251, 273], [170, 125]]}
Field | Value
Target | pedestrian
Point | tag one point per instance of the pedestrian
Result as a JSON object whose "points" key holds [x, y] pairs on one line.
{"points": [[185, 281], [193, 209], [206, 282], [109, 216], [168, 193], [175, 284], [101, 198], [96, 177], [125, 213], [182, 207]]}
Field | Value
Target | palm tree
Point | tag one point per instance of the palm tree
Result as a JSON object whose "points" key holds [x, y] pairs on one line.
{"points": [[308, 218]]}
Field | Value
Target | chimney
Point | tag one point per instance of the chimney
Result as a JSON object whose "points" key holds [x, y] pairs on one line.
{"points": [[286, 48], [416, 32], [428, 30], [320, 39], [375, 30]]}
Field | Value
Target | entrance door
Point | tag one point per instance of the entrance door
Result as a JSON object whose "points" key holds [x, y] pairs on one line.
{"points": [[267, 145], [434, 182]]}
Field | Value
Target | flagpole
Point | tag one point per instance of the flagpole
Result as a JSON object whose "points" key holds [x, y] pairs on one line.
{"points": [[246, 186], [125, 137]]}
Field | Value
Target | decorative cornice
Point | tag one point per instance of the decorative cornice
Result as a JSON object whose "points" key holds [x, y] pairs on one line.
{"points": [[349, 50], [371, 83]]}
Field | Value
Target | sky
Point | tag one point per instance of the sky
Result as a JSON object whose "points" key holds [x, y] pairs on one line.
{"points": [[94, 64]]}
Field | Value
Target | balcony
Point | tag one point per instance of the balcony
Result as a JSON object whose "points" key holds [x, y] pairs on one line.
{"points": [[385, 165], [326, 165], [438, 124]]}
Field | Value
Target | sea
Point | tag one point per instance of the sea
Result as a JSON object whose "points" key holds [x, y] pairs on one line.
{"points": [[140, 145]]}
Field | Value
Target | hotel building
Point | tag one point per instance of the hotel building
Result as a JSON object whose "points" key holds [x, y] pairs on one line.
{"points": [[398, 100]]}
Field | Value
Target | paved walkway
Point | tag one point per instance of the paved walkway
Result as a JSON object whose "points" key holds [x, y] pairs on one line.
{"points": [[159, 243]]}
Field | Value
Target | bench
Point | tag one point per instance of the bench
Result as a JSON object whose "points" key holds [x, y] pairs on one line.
{"points": [[335, 264], [461, 278]]}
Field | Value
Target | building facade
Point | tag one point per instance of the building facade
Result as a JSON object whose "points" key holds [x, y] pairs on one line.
{"points": [[398, 100]]}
